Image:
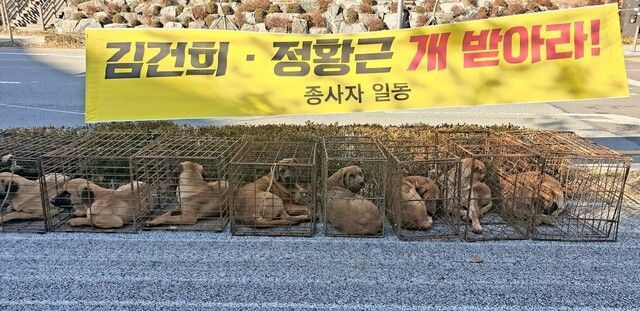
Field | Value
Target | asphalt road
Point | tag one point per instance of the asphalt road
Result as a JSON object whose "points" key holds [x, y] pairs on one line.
{"points": [[199, 271]]}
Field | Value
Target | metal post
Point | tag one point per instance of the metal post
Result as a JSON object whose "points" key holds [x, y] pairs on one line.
{"points": [[400, 13], [41, 16], [7, 19], [635, 37], [2, 15]]}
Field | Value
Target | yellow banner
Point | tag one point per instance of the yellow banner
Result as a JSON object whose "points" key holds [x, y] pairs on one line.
{"points": [[145, 74]]}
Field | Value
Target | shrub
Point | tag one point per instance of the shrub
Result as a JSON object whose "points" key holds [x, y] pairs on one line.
{"points": [[294, 8], [317, 20], [374, 24], [274, 8], [422, 20], [260, 15], [186, 21], [212, 7], [227, 10], [365, 8], [156, 24], [209, 20], [119, 19], [323, 5], [179, 9], [199, 12], [277, 21]]}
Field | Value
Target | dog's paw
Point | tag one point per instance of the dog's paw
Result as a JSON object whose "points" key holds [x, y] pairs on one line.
{"points": [[477, 229], [6, 158]]}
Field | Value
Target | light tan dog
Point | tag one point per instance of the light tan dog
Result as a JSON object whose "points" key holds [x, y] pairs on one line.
{"points": [[198, 198], [475, 195], [272, 200], [347, 210], [549, 199], [24, 197], [419, 199], [107, 209]]}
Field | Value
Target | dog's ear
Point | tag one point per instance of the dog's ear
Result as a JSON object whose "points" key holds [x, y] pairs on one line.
{"points": [[87, 196], [345, 178]]}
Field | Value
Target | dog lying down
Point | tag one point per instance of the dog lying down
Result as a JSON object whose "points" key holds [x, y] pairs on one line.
{"points": [[22, 197], [347, 210], [548, 203], [198, 199], [419, 197], [273, 200], [100, 207]]}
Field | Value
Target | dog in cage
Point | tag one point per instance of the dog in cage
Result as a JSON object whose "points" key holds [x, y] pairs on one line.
{"points": [[419, 196], [274, 199], [542, 205], [100, 207], [198, 199], [347, 210], [475, 194], [22, 197]]}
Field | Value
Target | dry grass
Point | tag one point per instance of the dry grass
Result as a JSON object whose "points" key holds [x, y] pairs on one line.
{"points": [[278, 22], [365, 8], [317, 20], [374, 24], [422, 20], [199, 12]]}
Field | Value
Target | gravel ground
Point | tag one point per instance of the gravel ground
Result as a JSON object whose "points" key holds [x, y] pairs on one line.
{"points": [[197, 271]]}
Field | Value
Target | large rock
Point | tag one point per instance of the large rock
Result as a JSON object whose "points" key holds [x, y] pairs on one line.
{"points": [[64, 25], [352, 28], [223, 23], [197, 25], [350, 4], [391, 20], [197, 2], [381, 10], [101, 14], [365, 17], [116, 2], [278, 30], [332, 10], [444, 18], [130, 17], [249, 17], [448, 7], [170, 11], [309, 5], [172, 25], [67, 12], [299, 26], [318, 30], [485, 3], [85, 24], [143, 27], [334, 23], [262, 27], [249, 27], [92, 3], [115, 26]]}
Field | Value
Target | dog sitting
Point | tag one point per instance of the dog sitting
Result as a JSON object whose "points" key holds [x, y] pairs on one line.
{"points": [[519, 191], [23, 197], [198, 198], [419, 199], [271, 199], [347, 210], [475, 195]]}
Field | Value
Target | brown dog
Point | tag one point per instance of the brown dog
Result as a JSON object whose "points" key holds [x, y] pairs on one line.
{"points": [[271, 200], [475, 195], [347, 210], [110, 209], [24, 197], [198, 199], [419, 199], [520, 191]]}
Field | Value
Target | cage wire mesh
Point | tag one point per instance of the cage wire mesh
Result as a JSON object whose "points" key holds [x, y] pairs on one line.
{"points": [[420, 195], [103, 194], [187, 182], [353, 178], [450, 139], [23, 193], [589, 179], [498, 184], [275, 189]]}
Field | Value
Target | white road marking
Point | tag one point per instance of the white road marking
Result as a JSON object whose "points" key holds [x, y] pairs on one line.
{"points": [[10, 82], [633, 82], [43, 54], [41, 109]]}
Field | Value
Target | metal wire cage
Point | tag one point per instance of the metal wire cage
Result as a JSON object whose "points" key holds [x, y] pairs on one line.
{"points": [[450, 139], [187, 182], [591, 181], [498, 185], [103, 193], [421, 195], [23, 193], [275, 189], [354, 179]]}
